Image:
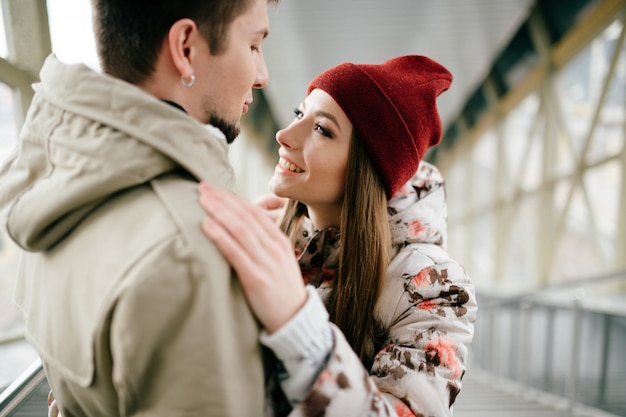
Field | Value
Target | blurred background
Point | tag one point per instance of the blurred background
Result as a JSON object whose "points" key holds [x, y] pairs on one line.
{"points": [[533, 155]]}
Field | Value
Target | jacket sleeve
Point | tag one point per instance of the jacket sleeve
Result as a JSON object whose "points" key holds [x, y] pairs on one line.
{"points": [[419, 371], [425, 359], [344, 388]]}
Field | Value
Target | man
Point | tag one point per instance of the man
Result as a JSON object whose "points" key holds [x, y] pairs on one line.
{"points": [[131, 309]]}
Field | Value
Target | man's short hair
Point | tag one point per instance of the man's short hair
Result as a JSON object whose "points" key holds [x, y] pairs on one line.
{"points": [[129, 33]]}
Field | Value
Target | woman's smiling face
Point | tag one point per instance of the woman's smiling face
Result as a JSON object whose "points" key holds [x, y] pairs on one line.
{"points": [[314, 158]]}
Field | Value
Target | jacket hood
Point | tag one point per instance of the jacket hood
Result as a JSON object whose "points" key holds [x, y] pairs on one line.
{"points": [[418, 211], [87, 136]]}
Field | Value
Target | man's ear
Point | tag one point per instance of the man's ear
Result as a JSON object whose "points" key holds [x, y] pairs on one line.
{"points": [[182, 38]]}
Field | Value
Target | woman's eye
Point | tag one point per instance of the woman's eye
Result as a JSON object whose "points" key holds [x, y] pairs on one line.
{"points": [[320, 129], [299, 114]]}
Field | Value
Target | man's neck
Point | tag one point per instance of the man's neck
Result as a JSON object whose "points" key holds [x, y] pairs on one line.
{"points": [[174, 104]]}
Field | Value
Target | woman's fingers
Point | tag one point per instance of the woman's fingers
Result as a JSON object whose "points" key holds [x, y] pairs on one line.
{"points": [[230, 248], [260, 253], [272, 205], [238, 218], [270, 202]]}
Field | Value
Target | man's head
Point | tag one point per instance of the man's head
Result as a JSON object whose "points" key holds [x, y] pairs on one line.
{"points": [[202, 54]]}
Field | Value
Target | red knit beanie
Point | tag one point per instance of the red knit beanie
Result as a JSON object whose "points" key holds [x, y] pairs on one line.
{"points": [[393, 109]]}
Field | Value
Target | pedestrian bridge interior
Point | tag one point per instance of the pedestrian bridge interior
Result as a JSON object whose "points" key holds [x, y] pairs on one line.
{"points": [[533, 152]]}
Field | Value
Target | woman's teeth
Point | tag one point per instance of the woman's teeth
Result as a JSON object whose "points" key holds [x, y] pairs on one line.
{"points": [[289, 166]]}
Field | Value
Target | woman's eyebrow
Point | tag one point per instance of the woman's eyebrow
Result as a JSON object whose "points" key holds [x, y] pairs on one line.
{"points": [[325, 115], [329, 117]]}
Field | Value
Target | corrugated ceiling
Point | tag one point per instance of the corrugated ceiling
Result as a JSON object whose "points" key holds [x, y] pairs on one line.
{"points": [[309, 36]]}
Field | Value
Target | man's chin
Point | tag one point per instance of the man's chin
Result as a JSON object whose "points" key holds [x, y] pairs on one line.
{"points": [[230, 130]]}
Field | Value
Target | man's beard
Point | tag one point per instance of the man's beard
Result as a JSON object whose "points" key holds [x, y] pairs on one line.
{"points": [[230, 130]]}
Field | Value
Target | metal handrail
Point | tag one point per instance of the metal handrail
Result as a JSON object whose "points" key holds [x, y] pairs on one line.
{"points": [[12, 337], [519, 338], [21, 388], [538, 292]]}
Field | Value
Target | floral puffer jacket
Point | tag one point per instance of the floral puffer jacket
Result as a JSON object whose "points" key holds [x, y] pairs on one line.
{"points": [[427, 304]]}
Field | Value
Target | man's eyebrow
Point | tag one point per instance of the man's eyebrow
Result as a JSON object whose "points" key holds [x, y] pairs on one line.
{"points": [[263, 32]]}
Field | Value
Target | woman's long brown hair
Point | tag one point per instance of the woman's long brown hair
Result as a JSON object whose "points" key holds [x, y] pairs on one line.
{"points": [[364, 255]]}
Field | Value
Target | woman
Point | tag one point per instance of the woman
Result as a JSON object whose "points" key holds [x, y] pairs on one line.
{"points": [[382, 324]]}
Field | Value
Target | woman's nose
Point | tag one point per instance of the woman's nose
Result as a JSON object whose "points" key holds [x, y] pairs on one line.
{"points": [[288, 136], [280, 138]]}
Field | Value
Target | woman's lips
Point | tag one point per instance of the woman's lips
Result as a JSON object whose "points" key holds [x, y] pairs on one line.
{"points": [[289, 166]]}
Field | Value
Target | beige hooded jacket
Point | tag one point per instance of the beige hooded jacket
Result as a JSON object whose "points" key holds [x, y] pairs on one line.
{"points": [[133, 311]]}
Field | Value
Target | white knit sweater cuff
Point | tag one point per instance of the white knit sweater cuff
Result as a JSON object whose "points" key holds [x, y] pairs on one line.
{"points": [[306, 336], [303, 345]]}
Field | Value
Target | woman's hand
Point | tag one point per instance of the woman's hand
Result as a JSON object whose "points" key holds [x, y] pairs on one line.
{"points": [[272, 204], [260, 253], [53, 409]]}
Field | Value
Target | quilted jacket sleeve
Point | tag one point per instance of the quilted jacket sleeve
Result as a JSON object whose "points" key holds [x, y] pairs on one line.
{"points": [[424, 361]]}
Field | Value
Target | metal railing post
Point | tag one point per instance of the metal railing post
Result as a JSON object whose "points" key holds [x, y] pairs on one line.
{"points": [[525, 346], [606, 343], [494, 345], [572, 386], [548, 349]]}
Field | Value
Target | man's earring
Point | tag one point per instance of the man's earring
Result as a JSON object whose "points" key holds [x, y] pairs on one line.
{"points": [[188, 83]]}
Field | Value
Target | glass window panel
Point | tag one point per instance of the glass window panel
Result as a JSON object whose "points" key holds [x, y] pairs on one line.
{"points": [[561, 193], [457, 194], [8, 129], [520, 257], [7, 254], [517, 130], [564, 159], [530, 174], [524, 131], [484, 167], [456, 189], [608, 137], [602, 183], [458, 243], [576, 255], [4, 50], [71, 32], [9, 317], [455, 179], [577, 88], [482, 248], [593, 227], [17, 355]]}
